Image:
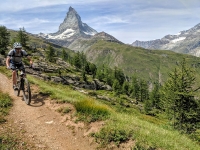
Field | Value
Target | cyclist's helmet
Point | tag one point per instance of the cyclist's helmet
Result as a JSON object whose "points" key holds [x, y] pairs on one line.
{"points": [[17, 45]]}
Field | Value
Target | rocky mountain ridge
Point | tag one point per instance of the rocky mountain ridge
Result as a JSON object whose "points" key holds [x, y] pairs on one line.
{"points": [[187, 42], [75, 34], [70, 29]]}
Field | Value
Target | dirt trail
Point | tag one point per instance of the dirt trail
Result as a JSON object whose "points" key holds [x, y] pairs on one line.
{"points": [[45, 127]]}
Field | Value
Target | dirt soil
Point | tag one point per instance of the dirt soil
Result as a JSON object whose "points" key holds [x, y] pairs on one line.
{"points": [[43, 126]]}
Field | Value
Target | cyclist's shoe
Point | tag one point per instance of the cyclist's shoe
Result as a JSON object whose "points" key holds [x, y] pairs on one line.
{"points": [[15, 87]]}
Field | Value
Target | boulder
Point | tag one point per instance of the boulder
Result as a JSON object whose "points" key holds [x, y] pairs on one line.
{"points": [[56, 79]]}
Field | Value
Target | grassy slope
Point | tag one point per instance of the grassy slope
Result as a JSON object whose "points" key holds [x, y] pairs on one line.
{"points": [[122, 126], [147, 131]]}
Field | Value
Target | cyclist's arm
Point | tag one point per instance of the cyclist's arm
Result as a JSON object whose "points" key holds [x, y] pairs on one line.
{"points": [[8, 62], [8, 58]]}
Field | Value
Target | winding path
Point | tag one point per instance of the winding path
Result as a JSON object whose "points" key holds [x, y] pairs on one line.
{"points": [[43, 125]]}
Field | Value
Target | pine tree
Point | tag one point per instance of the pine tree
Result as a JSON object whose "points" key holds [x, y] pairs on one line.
{"points": [[119, 75], [179, 99], [77, 60], [153, 103], [116, 87], [135, 88], [125, 88], [100, 73], [22, 37], [50, 54], [4, 39], [155, 96], [93, 69], [64, 55], [144, 92]]}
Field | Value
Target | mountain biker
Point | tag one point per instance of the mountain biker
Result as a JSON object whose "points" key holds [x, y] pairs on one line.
{"points": [[14, 60]]}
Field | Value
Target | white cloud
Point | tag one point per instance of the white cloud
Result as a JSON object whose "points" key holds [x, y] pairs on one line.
{"points": [[109, 19], [16, 24], [13, 5]]}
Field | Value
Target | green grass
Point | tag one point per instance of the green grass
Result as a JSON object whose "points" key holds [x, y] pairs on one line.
{"points": [[92, 110], [146, 131], [5, 105], [122, 127], [5, 71], [85, 105]]}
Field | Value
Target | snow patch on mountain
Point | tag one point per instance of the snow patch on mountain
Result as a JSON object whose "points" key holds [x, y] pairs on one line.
{"points": [[90, 33], [178, 39], [186, 41], [66, 34]]}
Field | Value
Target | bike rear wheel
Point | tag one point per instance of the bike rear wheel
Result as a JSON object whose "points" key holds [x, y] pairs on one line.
{"points": [[26, 92]]}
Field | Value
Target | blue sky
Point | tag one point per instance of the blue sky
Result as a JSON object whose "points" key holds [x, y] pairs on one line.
{"points": [[127, 20]]}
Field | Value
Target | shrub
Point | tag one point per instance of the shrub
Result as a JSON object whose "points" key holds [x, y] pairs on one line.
{"points": [[92, 110], [112, 134]]}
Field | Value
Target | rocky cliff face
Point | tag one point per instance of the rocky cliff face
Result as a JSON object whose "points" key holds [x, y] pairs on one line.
{"points": [[71, 29], [187, 42]]}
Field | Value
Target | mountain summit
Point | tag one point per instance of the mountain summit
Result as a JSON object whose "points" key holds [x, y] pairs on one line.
{"points": [[187, 41], [71, 28], [73, 22]]}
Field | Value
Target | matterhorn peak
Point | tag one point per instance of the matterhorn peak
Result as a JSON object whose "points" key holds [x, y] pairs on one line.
{"points": [[72, 20], [72, 25], [72, 9], [70, 29]]}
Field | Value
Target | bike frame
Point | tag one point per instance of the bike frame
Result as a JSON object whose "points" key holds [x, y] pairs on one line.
{"points": [[23, 85]]}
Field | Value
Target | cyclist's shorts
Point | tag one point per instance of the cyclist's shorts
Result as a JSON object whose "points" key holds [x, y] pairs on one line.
{"points": [[14, 66]]}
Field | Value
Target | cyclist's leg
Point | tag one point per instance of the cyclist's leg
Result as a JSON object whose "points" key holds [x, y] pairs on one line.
{"points": [[21, 67], [13, 67]]}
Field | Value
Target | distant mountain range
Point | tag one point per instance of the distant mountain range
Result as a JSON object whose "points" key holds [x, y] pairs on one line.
{"points": [[187, 42], [78, 36]]}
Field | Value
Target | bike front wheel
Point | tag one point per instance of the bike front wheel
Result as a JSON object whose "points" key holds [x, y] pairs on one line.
{"points": [[26, 92], [17, 92]]}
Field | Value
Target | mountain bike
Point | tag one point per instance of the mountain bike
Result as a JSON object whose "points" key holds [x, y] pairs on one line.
{"points": [[23, 85]]}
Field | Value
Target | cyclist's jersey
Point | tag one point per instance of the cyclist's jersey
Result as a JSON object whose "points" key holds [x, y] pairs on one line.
{"points": [[16, 58]]}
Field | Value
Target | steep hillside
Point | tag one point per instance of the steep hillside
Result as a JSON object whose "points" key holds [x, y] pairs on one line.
{"points": [[149, 64]]}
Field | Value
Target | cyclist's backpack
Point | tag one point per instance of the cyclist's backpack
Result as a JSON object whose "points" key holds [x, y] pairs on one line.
{"points": [[13, 55]]}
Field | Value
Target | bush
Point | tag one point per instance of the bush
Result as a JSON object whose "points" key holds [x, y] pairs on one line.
{"points": [[112, 134], [91, 110]]}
